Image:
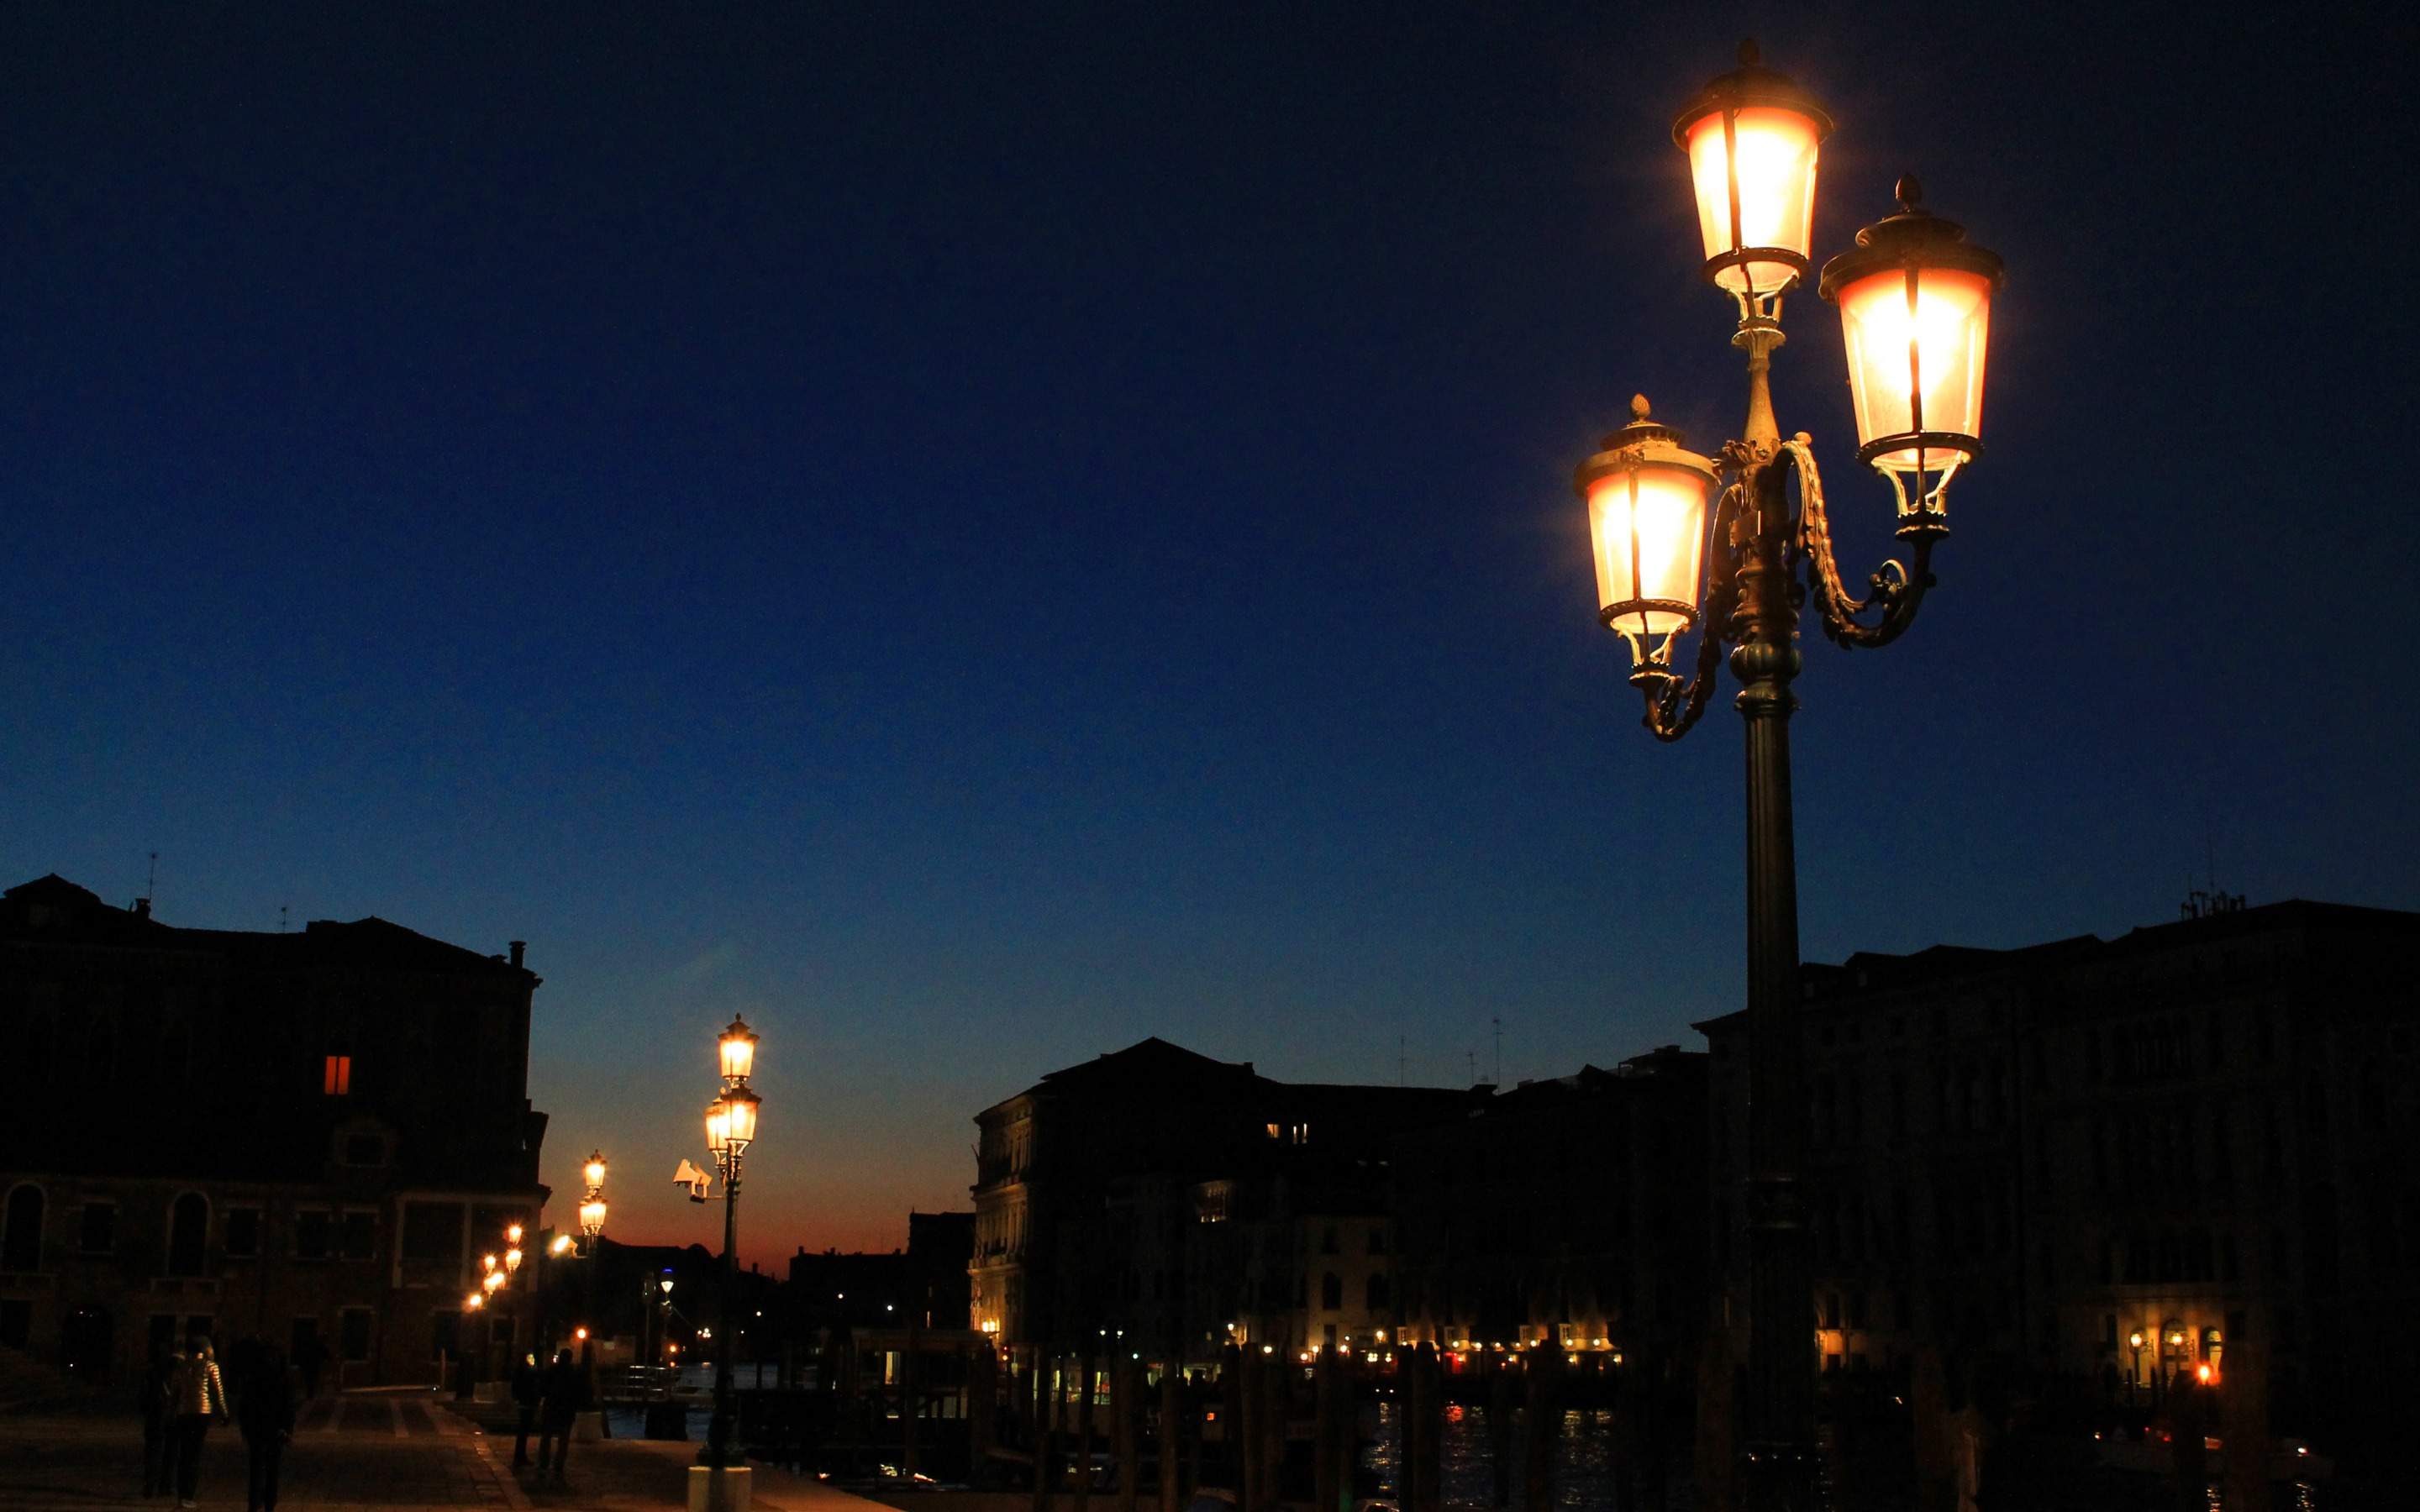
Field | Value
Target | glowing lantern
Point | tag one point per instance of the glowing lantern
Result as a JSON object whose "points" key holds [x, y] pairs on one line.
{"points": [[738, 1050], [1647, 528], [717, 1126], [1751, 136], [1915, 315], [592, 1217], [740, 1117], [594, 1172]]}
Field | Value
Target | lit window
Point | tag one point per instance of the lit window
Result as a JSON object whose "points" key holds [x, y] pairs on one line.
{"points": [[338, 1079]]}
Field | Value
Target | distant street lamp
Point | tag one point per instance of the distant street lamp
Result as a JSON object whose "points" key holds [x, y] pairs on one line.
{"points": [[1685, 542], [592, 1227], [730, 1128]]}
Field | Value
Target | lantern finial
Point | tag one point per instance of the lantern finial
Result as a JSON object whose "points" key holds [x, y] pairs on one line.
{"points": [[1638, 407], [1911, 194]]}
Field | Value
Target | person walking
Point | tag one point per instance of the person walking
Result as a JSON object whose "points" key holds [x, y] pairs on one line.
{"points": [[526, 1382], [560, 1396], [159, 1402], [264, 1411], [201, 1400]]}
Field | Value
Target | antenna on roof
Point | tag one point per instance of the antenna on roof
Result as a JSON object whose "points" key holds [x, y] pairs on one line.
{"points": [[280, 917], [1401, 1079], [151, 881], [1470, 1058], [1496, 1025]]}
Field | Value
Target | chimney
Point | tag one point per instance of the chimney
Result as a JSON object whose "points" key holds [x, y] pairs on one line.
{"points": [[143, 908], [517, 946]]}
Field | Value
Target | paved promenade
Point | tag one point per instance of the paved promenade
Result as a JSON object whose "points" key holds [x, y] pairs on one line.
{"points": [[392, 1451]]}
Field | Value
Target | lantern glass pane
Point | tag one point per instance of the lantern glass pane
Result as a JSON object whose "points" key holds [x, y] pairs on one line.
{"points": [[717, 1126], [1650, 550], [739, 1054], [743, 1121], [1777, 190], [1949, 327]]}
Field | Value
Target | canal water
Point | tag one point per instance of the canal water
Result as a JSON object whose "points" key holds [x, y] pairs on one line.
{"points": [[1584, 1470]]}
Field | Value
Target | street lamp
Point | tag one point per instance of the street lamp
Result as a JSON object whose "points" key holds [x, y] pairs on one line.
{"points": [[1684, 543], [730, 1128]]}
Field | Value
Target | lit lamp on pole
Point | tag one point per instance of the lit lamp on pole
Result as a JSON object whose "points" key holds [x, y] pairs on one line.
{"points": [[1712, 546], [730, 1128]]}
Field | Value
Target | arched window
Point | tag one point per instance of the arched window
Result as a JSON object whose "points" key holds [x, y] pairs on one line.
{"points": [[189, 1223], [1374, 1296], [1331, 1292], [21, 1245]]}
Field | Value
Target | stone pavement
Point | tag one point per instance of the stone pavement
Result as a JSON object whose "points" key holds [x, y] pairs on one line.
{"points": [[401, 1451]]}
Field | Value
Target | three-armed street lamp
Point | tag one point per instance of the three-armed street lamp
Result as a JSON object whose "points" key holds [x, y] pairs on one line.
{"points": [[1685, 542], [730, 1127]]}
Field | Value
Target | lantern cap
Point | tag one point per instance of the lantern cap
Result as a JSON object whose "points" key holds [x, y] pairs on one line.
{"points": [[1644, 442], [1749, 86], [1915, 237]]}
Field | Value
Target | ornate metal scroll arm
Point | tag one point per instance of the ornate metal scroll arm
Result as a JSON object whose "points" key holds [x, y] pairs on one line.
{"points": [[1897, 589], [1672, 708]]}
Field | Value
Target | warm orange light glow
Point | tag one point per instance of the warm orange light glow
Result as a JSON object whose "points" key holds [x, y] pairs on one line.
{"points": [[1915, 343], [475, 1301], [337, 1078], [512, 1233], [2203, 1374], [1648, 529], [718, 1127], [512, 1260], [561, 1242], [738, 1050], [487, 1262], [592, 1218], [739, 1117], [1772, 153], [580, 1333], [594, 1172]]}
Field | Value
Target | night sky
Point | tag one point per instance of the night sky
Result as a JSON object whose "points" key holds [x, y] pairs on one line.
{"points": [[979, 533]]}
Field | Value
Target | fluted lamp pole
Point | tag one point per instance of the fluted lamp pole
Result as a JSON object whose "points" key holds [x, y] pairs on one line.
{"points": [[1685, 543], [730, 1127]]}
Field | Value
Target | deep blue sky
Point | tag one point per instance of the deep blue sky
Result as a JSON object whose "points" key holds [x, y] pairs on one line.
{"points": [[979, 533]]}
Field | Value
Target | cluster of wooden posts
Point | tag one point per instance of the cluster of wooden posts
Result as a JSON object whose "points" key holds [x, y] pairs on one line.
{"points": [[1227, 1428]]}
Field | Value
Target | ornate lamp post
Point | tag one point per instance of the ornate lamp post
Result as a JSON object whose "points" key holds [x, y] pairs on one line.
{"points": [[1685, 542], [592, 1225], [730, 1128]]}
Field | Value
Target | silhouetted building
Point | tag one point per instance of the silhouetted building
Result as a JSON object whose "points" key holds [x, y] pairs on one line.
{"points": [[1568, 1211], [1177, 1201], [313, 1136], [2199, 1132]]}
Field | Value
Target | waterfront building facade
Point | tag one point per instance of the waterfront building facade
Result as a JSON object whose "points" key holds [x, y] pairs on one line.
{"points": [[311, 1136], [2113, 1159], [1180, 1202]]}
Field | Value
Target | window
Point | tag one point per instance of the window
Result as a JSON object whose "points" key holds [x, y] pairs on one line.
{"points": [[243, 1232], [353, 1335], [189, 1225], [1374, 1296], [312, 1233], [364, 1149], [1331, 1292], [1377, 1241], [1327, 1245], [38, 1051], [359, 1232], [337, 1076], [17, 1324], [432, 1233], [100, 1228]]}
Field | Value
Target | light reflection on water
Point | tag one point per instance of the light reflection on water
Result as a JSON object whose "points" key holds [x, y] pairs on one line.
{"points": [[1584, 1466]]}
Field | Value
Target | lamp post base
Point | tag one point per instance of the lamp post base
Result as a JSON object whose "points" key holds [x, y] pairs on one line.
{"points": [[717, 1489]]}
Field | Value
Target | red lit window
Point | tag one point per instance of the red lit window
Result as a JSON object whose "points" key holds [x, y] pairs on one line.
{"points": [[338, 1081]]}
